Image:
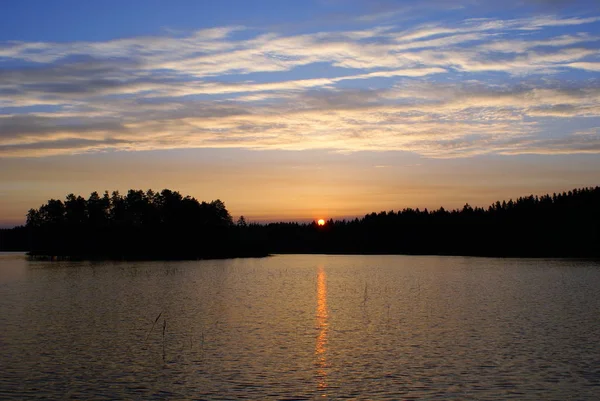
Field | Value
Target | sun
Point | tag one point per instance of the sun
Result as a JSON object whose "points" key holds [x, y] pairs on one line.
{"points": [[321, 222]]}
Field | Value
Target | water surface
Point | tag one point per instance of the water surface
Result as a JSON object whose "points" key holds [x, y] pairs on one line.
{"points": [[301, 327]]}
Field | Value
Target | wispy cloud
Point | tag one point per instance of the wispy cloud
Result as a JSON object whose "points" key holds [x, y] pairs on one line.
{"points": [[479, 86]]}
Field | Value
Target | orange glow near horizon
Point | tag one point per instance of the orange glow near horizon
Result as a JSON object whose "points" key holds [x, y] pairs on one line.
{"points": [[321, 222], [339, 187], [322, 326]]}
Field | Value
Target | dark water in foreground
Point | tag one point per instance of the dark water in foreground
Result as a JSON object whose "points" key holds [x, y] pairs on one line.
{"points": [[301, 327]]}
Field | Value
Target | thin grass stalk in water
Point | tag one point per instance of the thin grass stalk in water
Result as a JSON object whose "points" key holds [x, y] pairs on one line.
{"points": [[152, 328], [163, 338]]}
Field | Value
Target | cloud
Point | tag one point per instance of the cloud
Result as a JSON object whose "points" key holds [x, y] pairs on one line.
{"points": [[50, 148], [27, 126], [440, 90], [588, 66], [581, 144]]}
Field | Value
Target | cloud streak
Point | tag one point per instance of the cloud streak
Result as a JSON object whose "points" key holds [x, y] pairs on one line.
{"points": [[477, 87]]}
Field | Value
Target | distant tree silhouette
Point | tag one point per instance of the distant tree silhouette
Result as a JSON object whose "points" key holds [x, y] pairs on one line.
{"points": [[14, 239], [168, 225], [566, 225], [138, 225]]}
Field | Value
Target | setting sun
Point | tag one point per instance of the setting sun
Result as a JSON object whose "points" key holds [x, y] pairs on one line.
{"points": [[321, 222]]}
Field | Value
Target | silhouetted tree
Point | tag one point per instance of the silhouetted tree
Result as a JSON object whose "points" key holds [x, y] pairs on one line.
{"points": [[141, 224], [241, 222], [168, 225]]}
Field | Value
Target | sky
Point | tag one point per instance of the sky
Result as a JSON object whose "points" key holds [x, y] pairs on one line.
{"points": [[299, 110]]}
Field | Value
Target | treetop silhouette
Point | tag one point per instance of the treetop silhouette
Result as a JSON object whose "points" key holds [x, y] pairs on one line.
{"points": [[166, 225]]}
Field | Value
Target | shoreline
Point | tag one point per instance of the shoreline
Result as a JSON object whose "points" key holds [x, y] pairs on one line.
{"points": [[80, 258]]}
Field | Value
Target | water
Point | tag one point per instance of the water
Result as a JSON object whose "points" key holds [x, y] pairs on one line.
{"points": [[300, 327]]}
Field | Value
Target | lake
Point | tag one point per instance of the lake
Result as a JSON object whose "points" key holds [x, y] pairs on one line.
{"points": [[300, 327]]}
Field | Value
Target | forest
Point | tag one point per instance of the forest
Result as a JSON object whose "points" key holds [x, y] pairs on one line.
{"points": [[167, 225], [137, 225]]}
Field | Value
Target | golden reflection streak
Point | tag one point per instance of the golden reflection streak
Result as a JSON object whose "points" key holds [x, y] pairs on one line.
{"points": [[322, 327]]}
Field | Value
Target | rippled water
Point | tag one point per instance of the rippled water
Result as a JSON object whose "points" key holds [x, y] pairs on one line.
{"points": [[300, 327]]}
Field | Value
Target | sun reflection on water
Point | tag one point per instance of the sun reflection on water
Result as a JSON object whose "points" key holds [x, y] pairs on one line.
{"points": [[322, 327]]}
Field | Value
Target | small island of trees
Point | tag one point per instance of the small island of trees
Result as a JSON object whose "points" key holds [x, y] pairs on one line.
{"points": [[167, 225], [138, 225]]}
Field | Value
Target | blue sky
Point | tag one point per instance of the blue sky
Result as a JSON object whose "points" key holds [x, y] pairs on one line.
{"points": [[431, 81]]}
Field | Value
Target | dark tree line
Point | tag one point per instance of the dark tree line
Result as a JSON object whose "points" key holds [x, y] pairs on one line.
{"points": [[168, 225], [138, 225], [13, 239], [559, 225]]}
